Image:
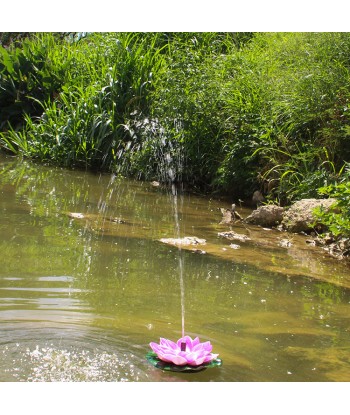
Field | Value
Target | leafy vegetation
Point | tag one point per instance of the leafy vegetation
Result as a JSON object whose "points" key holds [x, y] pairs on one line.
{"points": [[338, 219], [224, 112]]}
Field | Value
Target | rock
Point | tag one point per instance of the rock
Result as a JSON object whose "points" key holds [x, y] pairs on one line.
{"points": [[268, 215], [339, 249], [198, 251], [117, 220], [235, 214], [229, 215], [285, 243], [336, 247], [76, 215], [231, 235], [187, 240], [226, 216], [344, 246], [257, 198], [300, 217]]}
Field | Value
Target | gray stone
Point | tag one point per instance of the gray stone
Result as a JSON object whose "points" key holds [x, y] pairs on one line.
{"points": [[267, 215], [257, 198], [187, 240], [231, 235], [300, 217]]}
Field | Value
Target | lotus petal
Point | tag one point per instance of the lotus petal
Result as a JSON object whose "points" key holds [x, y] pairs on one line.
{"points": [[198, 361], [195, 341], [206, 346], [210, 357], [168, 343], [155, 347], [177, 360], [192, 357]]}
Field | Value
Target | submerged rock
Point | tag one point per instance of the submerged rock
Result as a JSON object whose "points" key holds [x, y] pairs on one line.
{"points": [[187, 240], [285, 243], [300, 217], [198, 251], [268, 215], [76, 215], [117, 220], [231, 235]]}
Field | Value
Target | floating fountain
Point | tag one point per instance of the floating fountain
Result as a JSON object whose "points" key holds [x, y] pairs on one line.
{"points": [[186, 354]]}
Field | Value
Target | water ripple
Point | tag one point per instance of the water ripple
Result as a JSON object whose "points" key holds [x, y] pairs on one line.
{"points": [[71, 356]]}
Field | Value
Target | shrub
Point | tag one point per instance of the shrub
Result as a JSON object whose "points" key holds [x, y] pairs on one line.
{"points": [[337, 221]]}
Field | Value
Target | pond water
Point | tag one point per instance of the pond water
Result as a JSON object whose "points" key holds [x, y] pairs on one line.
{"points": [[86, 285]]}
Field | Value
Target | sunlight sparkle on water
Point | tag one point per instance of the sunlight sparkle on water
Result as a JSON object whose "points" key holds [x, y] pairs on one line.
{"points": [[49, 364]]}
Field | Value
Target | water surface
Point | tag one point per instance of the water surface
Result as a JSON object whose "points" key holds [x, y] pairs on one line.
{"points": [[85, 285]]}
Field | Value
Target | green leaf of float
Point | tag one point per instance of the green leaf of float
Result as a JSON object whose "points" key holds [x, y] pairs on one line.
{"points": [[153, 359]]}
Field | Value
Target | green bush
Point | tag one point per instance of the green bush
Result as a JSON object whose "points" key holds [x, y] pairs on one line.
{"points": [[337, 220], [287, 111]]}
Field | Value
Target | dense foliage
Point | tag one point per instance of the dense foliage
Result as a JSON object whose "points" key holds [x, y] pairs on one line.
{"points": [[337, 220], [227, 112]]}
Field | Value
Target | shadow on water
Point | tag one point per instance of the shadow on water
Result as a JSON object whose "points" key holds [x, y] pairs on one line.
{"points": [[86, 284]]}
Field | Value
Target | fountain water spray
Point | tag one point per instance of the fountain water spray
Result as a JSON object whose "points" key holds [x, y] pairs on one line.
{"points": [[181, 262]]}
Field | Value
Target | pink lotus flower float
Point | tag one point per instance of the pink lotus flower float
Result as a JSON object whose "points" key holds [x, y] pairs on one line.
{"points": [[184, 355]]}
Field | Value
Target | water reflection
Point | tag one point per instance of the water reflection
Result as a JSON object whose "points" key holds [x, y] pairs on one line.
{"points": [[82, 296]]}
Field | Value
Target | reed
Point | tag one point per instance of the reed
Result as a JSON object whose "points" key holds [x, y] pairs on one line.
{"points": [[80, 120]]}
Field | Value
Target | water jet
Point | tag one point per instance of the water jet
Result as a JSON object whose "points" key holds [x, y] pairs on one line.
{"points": [[186, 355]]}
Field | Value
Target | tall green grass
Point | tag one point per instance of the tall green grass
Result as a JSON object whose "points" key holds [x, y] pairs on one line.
{"points": [[287, 109], [226, 112], [95, 87]]}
